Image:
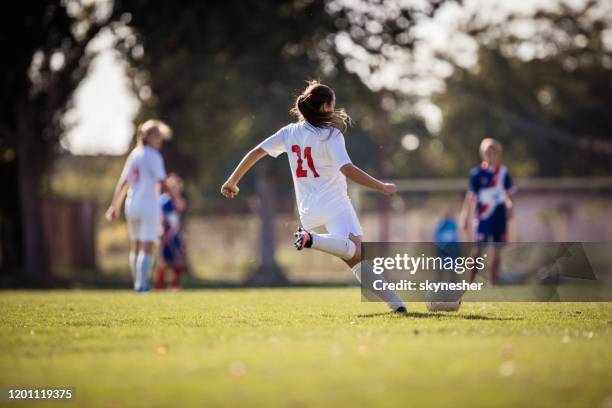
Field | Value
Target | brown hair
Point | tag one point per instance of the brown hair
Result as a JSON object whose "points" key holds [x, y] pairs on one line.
{"points": [[308, 107], [152, 126]]}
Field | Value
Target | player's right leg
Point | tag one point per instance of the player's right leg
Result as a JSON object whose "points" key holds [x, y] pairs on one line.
{"points": [[134, 232], [144, 264], [134, 249], [178, 255], [330, 243]]}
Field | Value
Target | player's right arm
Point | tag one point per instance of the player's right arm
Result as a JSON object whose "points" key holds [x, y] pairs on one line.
{"points": [[120, 192], [230, 188], [359, 176], [469, 204], [471, 198], [273, 146]]}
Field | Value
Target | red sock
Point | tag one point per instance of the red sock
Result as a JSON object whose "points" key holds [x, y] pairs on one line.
{"points": [[176, 281], [159, 278]]}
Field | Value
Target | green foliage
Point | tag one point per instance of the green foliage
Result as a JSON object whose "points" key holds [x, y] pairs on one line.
{"points": [[225, 75], [86, 177], [45, 55], [547, 97], [306, 347]]}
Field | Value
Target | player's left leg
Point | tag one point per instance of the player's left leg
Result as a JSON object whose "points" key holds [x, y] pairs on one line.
{"points": [[149, 234], [482, 234], [499, 234], [160, 274], [346, 224], [175, 284], [165, 261], [494, 264]]}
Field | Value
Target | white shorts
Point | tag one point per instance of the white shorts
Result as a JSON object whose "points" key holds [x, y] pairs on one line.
{"points": [[144, 229], [342, 224]]}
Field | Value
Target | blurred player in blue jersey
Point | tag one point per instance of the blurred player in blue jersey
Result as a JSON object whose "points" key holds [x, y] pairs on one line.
{"points": [[446, 231], [488, 197], [172, 251], [446, 237]]}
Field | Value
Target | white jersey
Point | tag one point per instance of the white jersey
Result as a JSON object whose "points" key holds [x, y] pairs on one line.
{"points": [[315, 156], [143, 169]]}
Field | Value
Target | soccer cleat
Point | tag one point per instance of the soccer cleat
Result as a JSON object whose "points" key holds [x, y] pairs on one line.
{"points": [[401, 310], [302, 239], [144, 288]]}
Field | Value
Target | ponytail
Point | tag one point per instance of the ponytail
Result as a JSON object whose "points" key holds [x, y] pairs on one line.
{"points": [[308, 107]]}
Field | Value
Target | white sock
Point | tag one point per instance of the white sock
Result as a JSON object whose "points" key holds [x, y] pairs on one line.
{"points": [[333, 244], [144, 265], [363, 268], [133, 261]]}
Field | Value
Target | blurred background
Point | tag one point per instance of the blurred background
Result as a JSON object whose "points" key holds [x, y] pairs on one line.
{"points": [[424, 81]]}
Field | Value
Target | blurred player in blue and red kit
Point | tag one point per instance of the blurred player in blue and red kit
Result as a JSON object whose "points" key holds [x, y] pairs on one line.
{"points": [[489, 196], [172, 251]]}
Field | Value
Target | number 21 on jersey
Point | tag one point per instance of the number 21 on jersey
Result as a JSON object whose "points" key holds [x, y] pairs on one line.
{"points": [[300, 171]]}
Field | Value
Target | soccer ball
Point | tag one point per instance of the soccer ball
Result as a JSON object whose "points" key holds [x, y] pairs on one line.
{"points": [[443, 306], [444, 301]]}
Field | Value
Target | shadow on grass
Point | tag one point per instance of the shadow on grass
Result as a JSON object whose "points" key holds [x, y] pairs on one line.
{"points": [[440, 315]]}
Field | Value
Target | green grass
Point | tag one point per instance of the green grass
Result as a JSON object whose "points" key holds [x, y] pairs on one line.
{"points": [[302, 348]]}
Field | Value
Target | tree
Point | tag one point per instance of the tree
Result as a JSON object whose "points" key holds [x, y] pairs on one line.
{"points": [[547, 95], [45, 57]]}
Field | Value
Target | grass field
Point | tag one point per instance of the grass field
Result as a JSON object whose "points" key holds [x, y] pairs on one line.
{"points": [[301, 348]]}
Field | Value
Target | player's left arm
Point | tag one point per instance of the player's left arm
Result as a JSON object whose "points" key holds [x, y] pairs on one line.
{"points": [[336, 148], [359, 176], [509, 190], [509, 207], [230, 188]]}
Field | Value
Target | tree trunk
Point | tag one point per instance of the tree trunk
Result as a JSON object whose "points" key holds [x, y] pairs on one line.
{"points": [[11, 253], [383, 168], [36, 267], [269, 272]]}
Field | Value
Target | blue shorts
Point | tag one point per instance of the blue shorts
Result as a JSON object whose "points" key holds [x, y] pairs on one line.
{"points": [[493, 228], [172, 249]]}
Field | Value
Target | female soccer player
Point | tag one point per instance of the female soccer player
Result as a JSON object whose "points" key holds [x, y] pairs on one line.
{"points": [[319, 166], [141, 178]]}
